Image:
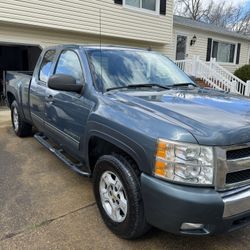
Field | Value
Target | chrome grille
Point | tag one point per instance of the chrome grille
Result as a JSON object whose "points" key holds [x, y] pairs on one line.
{"points": [[233, 166], [239, 176], [238, 153]]}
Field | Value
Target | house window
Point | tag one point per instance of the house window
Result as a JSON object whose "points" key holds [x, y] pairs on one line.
{"points": [[223, 52], [146, 5]]}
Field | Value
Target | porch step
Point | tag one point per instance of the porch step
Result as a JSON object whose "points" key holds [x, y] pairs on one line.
{"points": [[201, 83], [59, 153], [214, 75]]}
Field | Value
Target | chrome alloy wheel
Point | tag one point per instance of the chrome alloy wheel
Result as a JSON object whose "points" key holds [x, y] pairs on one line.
{"points": [[113, 196], [15, 119]]}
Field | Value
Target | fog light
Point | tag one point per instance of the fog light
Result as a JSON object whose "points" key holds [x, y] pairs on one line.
{"points": [[191, 226]]}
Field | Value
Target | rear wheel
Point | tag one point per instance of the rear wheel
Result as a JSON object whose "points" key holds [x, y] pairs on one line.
{"points": [[20, 127], [118, 196]]}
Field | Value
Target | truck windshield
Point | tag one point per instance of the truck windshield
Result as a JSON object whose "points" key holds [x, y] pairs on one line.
{"points": [[114, 68]]}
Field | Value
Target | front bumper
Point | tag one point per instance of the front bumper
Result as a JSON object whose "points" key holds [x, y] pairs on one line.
{"points": [[168, 206]]}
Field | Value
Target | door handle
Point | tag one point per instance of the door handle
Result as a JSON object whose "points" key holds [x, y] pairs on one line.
{"points": [[49, 99]]}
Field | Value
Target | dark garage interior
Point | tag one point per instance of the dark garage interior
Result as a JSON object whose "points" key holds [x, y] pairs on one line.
{"points": [[14, 57]]}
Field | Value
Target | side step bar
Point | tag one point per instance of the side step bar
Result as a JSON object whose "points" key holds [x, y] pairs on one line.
{"points": [[58, 153]]}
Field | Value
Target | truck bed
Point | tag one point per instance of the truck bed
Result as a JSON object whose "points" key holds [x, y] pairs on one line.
{"points": [[17, 83], [11, 77]]}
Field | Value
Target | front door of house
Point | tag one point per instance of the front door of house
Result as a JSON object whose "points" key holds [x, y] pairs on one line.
{"points": [[181, 47]]}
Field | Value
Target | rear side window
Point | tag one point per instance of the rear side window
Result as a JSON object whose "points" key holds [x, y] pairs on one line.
{"points": [[69, 64], [46, 65]]}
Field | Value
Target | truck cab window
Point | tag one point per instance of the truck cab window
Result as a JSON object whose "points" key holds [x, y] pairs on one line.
{"points": [[46, 65], [69, 64]]}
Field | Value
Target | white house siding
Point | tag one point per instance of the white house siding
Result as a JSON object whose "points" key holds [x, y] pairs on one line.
{"points": [[19, 34], [200, 47], [84, 16]]}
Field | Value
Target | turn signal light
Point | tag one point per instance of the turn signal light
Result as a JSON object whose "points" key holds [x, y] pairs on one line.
{"points": [[160, 168], [161, 149]]}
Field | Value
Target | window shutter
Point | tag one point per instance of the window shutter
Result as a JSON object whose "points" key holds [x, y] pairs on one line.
{"points": [[209, 49], [238, 54], [118, 1], [163, 6]]}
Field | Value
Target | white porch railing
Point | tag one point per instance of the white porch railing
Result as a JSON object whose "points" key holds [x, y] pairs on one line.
{"points": [[214, 75]]}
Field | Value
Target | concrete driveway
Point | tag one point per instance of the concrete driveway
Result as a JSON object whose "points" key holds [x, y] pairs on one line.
{"points": [[44, 205]]}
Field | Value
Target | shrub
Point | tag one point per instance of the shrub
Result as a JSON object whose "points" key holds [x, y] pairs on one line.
{"points": [[243, 72]]}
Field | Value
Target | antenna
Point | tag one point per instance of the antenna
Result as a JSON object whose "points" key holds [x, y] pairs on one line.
{"points": [[100, 40], [100, 28]]}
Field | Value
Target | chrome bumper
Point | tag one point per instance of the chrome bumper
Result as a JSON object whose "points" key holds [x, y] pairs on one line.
{"points": [[236, 203]]}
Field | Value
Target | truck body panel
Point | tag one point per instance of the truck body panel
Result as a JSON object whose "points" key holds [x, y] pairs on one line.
{"points": [[133, 121]]}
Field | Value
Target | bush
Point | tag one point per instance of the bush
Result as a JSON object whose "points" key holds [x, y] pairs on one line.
{"points": [[243, 72]]}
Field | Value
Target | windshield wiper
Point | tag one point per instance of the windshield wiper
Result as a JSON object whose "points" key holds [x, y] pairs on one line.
{"points": [[183, 84], [143, 85]]}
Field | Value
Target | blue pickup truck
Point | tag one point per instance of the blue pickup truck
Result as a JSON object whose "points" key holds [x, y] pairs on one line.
{"points": [[161, 150]]}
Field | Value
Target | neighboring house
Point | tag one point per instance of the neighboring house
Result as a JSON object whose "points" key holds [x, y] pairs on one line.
{"points": [[193, 38]]}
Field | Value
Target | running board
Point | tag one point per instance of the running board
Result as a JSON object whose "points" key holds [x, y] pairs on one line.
{"points": [[58, 153]]}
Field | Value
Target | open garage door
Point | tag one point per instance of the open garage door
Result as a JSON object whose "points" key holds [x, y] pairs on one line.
{"points": [[14, 57]]}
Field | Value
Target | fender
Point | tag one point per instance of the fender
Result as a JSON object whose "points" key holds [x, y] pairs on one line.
{"points": [[118, 139], [12, 90]]}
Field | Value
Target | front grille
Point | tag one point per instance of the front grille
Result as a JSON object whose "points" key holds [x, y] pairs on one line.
{"points": [[238, 153], [233, 166], [239, 176]]}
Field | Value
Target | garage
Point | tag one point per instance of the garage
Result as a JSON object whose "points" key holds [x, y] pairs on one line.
{"points": [[17, 57]]}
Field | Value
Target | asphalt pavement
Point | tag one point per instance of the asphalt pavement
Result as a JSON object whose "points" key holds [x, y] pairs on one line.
{"points": [[45, 205]]}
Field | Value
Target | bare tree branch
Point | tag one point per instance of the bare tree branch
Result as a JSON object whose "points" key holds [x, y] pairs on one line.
{"points": [[223, 14]]}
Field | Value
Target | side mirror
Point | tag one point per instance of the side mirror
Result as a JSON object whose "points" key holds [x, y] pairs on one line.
{"points": [[64, 83]]}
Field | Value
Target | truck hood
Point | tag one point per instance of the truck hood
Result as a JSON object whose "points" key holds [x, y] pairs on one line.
{"points": [[212, 117]]}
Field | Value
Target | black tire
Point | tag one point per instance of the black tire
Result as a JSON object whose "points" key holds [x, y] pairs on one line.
{"points": [[23, 128], [134, 225]]}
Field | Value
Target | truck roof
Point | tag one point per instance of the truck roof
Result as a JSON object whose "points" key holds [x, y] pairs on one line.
{"points": [[96, 46]]}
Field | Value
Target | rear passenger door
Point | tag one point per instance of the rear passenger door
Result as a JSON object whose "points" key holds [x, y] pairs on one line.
{"points": [[38, 87], [66, 112]]}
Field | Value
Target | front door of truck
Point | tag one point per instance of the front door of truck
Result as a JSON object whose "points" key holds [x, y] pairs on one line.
{"points": [[66, 112], [38, 88]]}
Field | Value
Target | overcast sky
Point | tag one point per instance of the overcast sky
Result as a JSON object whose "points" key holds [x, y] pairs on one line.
{"points": [[233, 1]]}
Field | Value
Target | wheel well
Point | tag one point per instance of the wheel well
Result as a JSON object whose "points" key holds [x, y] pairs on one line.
{"points": [[99, 147], [10, 98]]}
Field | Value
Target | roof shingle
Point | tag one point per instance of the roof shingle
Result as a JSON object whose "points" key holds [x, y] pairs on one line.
{"points": [[188, 22]]}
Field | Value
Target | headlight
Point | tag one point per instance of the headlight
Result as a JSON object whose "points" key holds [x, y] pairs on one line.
{"points": [[180, 162]]}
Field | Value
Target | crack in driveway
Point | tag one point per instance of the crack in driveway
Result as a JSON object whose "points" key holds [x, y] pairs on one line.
{"points": [[44, 223]]}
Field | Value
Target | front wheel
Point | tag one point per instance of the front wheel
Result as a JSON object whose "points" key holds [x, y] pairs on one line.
{"points": [[118, 195], [20, 127]]}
